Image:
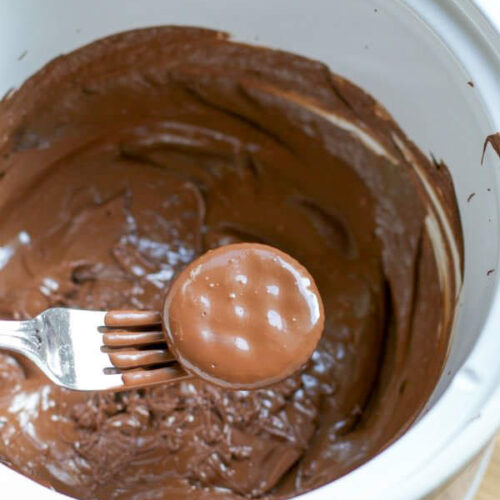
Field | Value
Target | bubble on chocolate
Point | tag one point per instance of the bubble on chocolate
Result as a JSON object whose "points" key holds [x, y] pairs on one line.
{"points": [[243, 316]]}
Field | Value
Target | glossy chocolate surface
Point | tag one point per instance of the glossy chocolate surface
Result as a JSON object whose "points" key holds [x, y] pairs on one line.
{"points": [[243, 316]]}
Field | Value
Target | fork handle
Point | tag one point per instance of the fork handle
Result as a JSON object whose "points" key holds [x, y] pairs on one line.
{"points": [[21, 336]]}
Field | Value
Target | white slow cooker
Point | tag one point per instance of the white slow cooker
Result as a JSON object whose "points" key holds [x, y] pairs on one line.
{"points": [[435, 64]]}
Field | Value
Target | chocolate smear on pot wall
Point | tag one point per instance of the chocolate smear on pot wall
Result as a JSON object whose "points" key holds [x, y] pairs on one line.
{"points": [[494, 141]]}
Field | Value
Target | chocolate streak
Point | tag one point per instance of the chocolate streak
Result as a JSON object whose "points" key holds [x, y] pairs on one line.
{"points": [[126, 159]]}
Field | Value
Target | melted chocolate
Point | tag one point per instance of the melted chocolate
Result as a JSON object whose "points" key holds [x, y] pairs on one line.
{"points": [[125, 160]]}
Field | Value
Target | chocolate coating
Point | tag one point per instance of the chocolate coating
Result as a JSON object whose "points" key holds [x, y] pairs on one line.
{"points": [[125, 160], [136, 358], [243, 316], [126, 338], [133, 318]]}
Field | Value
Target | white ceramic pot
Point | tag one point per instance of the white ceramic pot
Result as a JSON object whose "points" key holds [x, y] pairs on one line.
{"points": [[416, 57]]}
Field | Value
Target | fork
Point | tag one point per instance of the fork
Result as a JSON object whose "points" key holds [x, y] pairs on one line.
{"points": [[95, 350]]}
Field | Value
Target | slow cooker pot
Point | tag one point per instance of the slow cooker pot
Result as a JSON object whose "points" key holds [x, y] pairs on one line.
{"points": [[436, 67]]}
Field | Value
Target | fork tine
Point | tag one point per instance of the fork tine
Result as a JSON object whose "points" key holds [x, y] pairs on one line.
{"points": [[124, 338], [133, 358], [155, 376], [72, 356], [131, 318]]}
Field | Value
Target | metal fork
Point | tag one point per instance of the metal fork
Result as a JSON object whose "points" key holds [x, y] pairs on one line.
{"points": [[94, 350]]}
